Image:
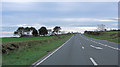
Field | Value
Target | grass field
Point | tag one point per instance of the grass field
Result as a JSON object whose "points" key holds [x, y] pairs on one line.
{"points": [[109, 35], [4, 40], [30, 55]]}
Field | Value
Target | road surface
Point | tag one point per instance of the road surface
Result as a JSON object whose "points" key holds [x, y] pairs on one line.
{"points": [[82, 50]]}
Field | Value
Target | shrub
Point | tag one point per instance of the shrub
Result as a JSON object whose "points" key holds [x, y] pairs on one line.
{"points": [[94, 32]]}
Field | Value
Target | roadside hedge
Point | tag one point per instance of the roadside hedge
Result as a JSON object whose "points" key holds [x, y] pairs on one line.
{"points": [[22, 45]]}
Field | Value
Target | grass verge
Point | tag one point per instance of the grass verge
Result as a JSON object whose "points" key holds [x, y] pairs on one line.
{"points": [[14, 39], [109, 35], [30, 55]]}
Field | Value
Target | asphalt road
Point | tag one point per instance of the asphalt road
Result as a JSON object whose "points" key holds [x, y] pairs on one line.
{"points": [[82, 50]]}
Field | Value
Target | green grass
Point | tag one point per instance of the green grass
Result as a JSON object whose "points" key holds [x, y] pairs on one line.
{"points": [[112, 32], [116, 40], [109, 35], [4, 40], [33, 53]]}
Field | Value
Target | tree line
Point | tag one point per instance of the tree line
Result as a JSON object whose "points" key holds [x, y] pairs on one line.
{"points": [[94, 32], [100, 32], [25, 31]]}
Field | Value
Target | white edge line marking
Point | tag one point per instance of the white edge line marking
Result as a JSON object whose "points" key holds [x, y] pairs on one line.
{"points": [[52, 52], [93, 61]]}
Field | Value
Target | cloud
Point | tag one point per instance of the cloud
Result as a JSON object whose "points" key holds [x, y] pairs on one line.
{"points": [[115, 24], [58, 6], [78, 29], [105, 20], [57, 13], [36, 7], [39, 21], [23, 25], [76, 20], [12, 6], [6, 32]]}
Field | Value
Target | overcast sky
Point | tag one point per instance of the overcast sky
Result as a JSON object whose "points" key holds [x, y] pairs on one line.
{"points": [[64, 14], [60, 0]]}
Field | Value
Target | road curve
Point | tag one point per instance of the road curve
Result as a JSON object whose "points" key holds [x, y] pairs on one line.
{"points": [[82, 50]]}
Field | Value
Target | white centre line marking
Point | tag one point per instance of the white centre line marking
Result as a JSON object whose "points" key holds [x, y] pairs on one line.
{"points": [[96, 47], [102, 44], [93, 61], [83, 47]]}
